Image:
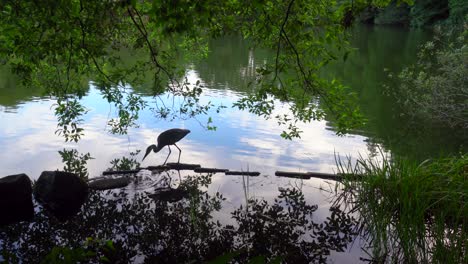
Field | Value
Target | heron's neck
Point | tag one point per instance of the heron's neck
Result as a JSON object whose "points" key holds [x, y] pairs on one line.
{"points": [[156, 149]]}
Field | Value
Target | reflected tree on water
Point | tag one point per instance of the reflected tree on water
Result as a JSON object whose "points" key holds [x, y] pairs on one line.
{"points": [[150, 230], [286, 228]]}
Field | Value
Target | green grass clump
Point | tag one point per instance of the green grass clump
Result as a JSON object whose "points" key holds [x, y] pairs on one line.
{"points": [[411, 213]]}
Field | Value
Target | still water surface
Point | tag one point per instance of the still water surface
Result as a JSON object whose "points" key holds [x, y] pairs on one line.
{"points": [[242, 140]]}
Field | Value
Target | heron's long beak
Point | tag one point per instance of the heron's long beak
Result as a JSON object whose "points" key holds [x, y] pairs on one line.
{"points": [[148, 150]]}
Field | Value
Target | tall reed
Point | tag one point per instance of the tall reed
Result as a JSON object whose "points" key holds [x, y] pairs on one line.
{"points": [[410, 212]]}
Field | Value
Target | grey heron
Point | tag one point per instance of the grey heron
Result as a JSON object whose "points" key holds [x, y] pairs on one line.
{"points": [[167, 138]]}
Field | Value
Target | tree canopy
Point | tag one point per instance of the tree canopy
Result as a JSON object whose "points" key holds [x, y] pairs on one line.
{"points": [[64, 45]]}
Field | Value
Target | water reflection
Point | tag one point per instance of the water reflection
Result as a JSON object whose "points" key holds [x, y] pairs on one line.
{"points": [[151, 230], [12, 93], [241, 140], [392, 48]]}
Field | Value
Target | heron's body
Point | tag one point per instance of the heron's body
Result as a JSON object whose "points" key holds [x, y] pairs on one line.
{"points": [[167, 138]]}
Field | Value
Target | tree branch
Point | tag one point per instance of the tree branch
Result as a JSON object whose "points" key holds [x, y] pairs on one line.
{"points": [[141, 28]]}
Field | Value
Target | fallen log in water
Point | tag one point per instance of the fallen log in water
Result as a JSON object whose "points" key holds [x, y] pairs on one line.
{"points": [[197, 168], [152, 168], [120, 172], [319, 175], [175, 166], [325, 176], [159, 167], [209, 170], [96, 178], [296, 175], [247, 173], [183, 166], [110, 183]]}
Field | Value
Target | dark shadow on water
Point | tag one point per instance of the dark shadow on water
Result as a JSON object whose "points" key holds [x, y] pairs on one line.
{"points": [[152, 230]]}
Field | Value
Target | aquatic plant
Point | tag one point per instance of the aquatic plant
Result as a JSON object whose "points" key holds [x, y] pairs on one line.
{"points": [[409, 212]]}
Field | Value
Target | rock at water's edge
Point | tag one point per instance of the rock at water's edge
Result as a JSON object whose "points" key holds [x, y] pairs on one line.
{"points": [[15, 199], [62, 193]]}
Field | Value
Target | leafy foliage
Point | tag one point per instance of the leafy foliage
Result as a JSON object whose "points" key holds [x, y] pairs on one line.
{"points": [[125, 163], [62, 45], [75, 162], [426, 12], [458, 11], [69, 114], [436, 88]]}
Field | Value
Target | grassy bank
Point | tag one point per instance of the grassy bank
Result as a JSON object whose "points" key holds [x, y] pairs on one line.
{"points": [[411, 213]]}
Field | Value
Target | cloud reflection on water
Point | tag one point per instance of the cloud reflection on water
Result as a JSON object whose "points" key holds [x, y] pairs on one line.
{"points": [[242, 139]]}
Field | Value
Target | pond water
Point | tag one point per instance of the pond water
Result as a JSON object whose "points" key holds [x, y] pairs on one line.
{"points": [[242, 140]]}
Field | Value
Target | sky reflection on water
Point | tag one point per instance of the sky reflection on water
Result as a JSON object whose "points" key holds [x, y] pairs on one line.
{"points": [[242, 141]]}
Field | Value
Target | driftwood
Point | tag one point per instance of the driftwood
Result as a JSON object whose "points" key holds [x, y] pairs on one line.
{"points": [[173, 166], [183, 166], [152, 168], [209, 170], [110, 183], [335, 177], [247, 173], [159, 168], [296, 175], [96, 178], [120, 172], [318, 175], [168, 166], [325, 176], [197, 168]]}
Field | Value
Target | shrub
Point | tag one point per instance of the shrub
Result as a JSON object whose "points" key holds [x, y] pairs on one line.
{"points": [[436, 88]]}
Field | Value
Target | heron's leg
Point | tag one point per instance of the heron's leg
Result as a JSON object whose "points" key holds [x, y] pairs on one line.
{"points": [[180, 152], [167, 155]]}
